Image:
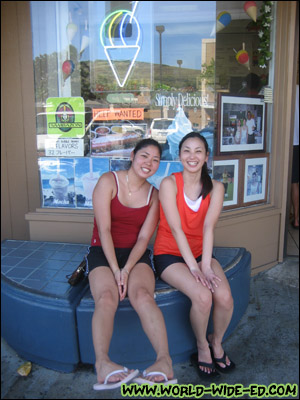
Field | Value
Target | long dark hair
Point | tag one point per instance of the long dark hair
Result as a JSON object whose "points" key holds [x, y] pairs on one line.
{"points": [[147, 142], [205, 178]]}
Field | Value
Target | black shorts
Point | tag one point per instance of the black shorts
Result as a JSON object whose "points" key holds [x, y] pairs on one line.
{"points": [[295, 168], [163, 261], [96, 258]]}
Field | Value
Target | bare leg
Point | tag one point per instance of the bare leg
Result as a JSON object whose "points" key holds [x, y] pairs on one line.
{"points": [[141, 286], [223, 309], [106, 297], [179, 276]]}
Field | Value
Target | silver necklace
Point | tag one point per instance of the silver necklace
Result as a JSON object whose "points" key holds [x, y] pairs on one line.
{"points": [[128, 187]]}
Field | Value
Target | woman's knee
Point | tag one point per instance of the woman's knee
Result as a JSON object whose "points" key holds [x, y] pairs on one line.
{"points": [[202, 299], [224, 299], [108, 299], [139, 297]]}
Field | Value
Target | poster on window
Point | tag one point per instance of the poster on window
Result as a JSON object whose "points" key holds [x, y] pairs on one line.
{"points": [[65, 117], [87, 173], [165, 169], [57, 182], [116, 139], [117, 164]]}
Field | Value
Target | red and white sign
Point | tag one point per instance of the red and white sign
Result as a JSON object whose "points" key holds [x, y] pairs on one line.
{"points": [[108, 114]]}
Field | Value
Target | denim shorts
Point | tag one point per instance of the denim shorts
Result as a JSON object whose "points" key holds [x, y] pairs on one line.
{"points": [[96, 258], [163, 261]]}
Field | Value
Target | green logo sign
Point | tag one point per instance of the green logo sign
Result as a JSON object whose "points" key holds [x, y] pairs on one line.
{"points": [[65, 117]]}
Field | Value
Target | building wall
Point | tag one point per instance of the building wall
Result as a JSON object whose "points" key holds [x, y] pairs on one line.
{"points": [[19, 176], [260, 229]]}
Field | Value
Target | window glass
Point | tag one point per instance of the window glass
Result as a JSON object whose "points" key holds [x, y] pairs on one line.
{"points": [[109, 73]]}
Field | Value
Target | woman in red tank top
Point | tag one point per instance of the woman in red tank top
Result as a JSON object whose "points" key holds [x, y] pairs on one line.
{"points": [[190, 207], [126, 214]]}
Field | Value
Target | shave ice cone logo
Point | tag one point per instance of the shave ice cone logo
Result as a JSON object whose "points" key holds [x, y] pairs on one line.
{"points": [[118, 46]]}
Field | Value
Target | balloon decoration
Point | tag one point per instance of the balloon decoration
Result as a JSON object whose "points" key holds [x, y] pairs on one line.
{"points": [[250, 8], [71, 31], [67, 68], [84, 41], [223, 19], [242, 57]]}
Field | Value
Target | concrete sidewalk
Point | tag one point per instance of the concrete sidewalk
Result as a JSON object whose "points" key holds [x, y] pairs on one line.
{"points": [[264, 346]]}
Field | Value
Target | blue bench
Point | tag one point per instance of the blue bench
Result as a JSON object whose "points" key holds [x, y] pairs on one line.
{"points": [[49, 322]]}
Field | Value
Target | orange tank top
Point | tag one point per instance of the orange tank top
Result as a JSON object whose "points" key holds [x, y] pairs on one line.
{"points": [[191, 221]]}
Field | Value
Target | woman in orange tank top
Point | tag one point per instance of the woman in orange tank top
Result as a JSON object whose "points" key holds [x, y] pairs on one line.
{"points": [[190, 207]]}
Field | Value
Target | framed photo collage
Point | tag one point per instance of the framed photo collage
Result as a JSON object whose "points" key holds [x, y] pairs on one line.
{"points": [[241, 162]]}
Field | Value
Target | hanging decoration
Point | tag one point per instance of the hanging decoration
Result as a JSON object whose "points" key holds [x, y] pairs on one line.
{"points": [[67, 68], [264, 33], [114, 23], [84, 41], [223, 19], [71, 29], [250, 8], [242, 57]]}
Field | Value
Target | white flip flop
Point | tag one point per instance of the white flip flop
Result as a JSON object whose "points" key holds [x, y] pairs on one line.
{"points": [[140, 380], [106, 385]]}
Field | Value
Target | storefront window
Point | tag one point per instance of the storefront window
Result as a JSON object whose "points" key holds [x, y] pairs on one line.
{"points": [[109, 73]]}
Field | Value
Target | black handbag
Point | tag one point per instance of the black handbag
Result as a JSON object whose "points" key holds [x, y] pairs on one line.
{"points": [[78, 274]]}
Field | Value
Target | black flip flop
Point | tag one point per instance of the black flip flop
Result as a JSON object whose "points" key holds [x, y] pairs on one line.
{"points": [[224, 370], [202, 374]]}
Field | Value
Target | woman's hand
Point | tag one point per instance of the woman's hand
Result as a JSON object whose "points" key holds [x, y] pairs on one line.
{"points": [[199, 276], [121, 277], [211, 278]]}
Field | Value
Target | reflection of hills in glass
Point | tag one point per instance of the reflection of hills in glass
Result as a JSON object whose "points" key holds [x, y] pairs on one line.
{"points": [[98, 76], [102, 75]]}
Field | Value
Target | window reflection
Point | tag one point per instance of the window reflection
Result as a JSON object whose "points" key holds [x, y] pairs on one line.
{"points": [[174, 65], [164, 60]]}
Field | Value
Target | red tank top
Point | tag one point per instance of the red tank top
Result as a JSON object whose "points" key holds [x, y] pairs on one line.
{"points": [[191, 221], [126, 222]]}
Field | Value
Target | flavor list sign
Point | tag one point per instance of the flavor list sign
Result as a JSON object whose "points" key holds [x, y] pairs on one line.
{"points": [[64, 147]]}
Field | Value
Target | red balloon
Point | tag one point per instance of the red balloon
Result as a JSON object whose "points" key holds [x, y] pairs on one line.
{"points": [[68, 67]]}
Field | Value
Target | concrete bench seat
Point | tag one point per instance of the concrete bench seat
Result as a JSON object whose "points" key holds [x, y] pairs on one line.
{"points": [[49, 322], [38, 306]]}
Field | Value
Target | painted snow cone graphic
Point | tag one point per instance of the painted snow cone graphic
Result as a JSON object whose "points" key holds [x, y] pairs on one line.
{"points": [[119, 35], [223, 19], [242, 57], [251, 9]]}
